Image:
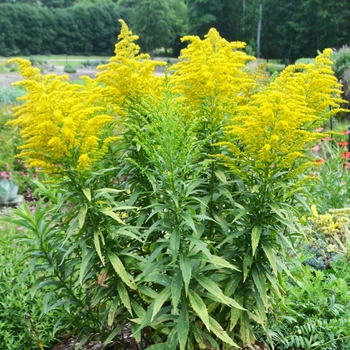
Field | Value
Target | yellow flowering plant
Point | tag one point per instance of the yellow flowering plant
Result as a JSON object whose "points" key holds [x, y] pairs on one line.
{"points": [[270, 133], [327, 237], [129, 75], [62, 124], [211, 76], [178, 191]]}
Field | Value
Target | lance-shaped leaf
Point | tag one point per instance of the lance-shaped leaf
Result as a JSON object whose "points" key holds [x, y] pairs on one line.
{"points": [[121, 272], [186, 270], [256, 233], [183, 327], [124, 296], [213, 288], [199, 307], [220, 332]]}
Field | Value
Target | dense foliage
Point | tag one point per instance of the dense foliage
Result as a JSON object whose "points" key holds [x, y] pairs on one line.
{"points": [[289, 30], [27, 30]]}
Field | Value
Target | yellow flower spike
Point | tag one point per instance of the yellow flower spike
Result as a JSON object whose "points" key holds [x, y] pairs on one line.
{"points": [[129, 76], [277, 124], [84, 162], [63, 125], [210, 75]]}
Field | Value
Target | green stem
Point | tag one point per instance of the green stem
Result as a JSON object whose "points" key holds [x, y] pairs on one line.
{"points": [[332, 341]]}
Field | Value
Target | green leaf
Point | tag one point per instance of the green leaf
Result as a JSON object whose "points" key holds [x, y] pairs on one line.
{"points": [[235, 315], [111, 214], [163, 296], [124, 296], [220, 262], [147, 319], [247, 263], [113, 311], [175, 244], [121, 272], [221, 176], [82, 215], [271, 256], [246, 329], [113, 334], [220, 332], [172, 341], [84, 264], [286, 219], [98, 246], [87, 193], [213, 288], [199, 307], [186, 270], [176, 288], [138, 309], [183, 327], [108, 190], [260, 286], [160, 346], [121, 231], [200, 245], [188, 218], [223, 224], [256, 233]]}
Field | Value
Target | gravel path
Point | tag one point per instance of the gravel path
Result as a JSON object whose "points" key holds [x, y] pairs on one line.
{"points": [[6, 79]]}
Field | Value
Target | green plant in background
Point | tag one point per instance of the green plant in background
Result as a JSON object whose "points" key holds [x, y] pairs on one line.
{"points": [[329, 183], [341, 67], [328, 237], [9, 95], [11, 166], [305, 60], [16, 300], [341, 61], [69, 69], [9, 193], [315, 312]]}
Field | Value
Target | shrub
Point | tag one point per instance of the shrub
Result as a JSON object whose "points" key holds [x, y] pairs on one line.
{"points": [[170, 203], [329, 184], [315, 312], [9, 95], [69, 69], [305, 61], [341, 61]]}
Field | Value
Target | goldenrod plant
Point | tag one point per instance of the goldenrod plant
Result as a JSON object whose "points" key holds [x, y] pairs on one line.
{"points": [[170, 202]]}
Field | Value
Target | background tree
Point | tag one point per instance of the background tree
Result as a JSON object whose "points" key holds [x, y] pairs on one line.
{"points": [[28, 30], [289, 30], [126, 8], [151, 20], [180, 25]]}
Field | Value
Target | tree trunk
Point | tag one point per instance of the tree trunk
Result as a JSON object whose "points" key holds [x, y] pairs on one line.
{"points": [[259, 32]]}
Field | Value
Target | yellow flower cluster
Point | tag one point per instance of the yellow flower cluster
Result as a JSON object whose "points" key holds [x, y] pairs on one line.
{"points": [[63, 124], [271, 131], [334, 227], [268, 123], [210, 76], [129, 76], [69, 125]]}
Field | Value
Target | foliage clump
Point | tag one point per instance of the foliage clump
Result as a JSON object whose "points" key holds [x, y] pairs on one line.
{"points": [[171, 201], [328, 237]]}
